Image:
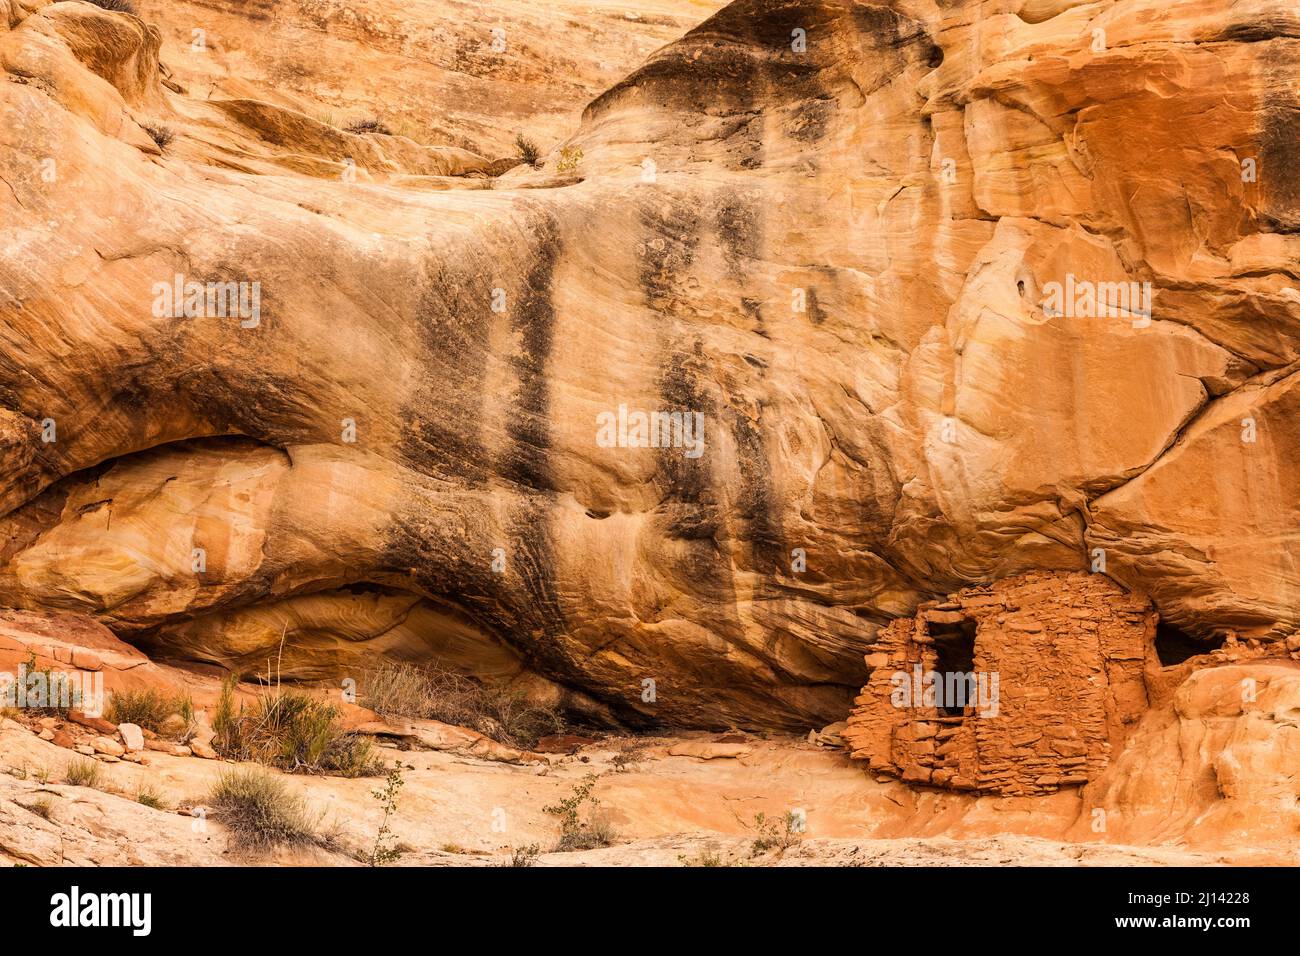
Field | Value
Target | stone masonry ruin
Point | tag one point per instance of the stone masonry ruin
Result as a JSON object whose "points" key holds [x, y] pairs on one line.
{"points": [[1064, 657]]}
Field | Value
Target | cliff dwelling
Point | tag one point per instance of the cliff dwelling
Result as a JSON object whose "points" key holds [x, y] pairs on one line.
{"points": [[1019, 687], [411, 411]]}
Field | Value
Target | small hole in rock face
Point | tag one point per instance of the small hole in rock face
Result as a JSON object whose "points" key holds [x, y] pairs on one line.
{"points": [[936, 58], [1020, 286], [598, 515], [1174, 645]]}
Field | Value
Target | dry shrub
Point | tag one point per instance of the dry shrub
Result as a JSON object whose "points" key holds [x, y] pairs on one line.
{"points": [[58, 689], [632, 752], [148, 708], [523, 856], [146, 794], [160, 133], [83, 773], [373, 125], [394, 689], [260, 812], [293, 731], [117, 6], [529, 151], [780, 834]]}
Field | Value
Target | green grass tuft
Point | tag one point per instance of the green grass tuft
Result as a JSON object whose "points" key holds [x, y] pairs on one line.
{"points": [[292, 731], [83, 773]]}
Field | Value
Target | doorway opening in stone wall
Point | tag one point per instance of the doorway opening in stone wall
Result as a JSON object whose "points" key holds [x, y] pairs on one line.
{"points": [[954, 648], [1174, 645]]}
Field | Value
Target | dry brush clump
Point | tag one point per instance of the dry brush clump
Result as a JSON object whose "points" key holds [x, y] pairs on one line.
{"points": [[151, 710], [630, 754], [148, 795], [371, 125], [407, 690], [529, 151], [522, 856], [291, 731], [261, 813], [707, 857], [779, 834], [117, 6], [83, 773], [160, 133]]}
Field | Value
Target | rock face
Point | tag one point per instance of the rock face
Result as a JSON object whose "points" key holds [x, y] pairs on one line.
{"points": [[460, 74], [939, 294], [1019, 688], [1221, 756]]}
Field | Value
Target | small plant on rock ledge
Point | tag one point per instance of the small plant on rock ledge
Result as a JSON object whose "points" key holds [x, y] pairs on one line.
{"points": [[579, 830], [633, 752], [707, 857], [160, 133], [523, 856], [372, 125], [83, 773], [146, 794], [387, 798], [42, 807], [57, 690], [401, 689], [570, 156], [775, 834], [148, 708], [528, 150]]}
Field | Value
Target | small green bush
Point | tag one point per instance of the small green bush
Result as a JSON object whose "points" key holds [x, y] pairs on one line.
{"points": [[579, 830], [774, 834], [146, 794], [148, 708], [387, 797], [523, 856], [293, 731], [528, 150]]}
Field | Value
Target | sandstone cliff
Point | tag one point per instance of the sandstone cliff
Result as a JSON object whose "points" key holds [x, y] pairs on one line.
{"points": [[832, 229]]}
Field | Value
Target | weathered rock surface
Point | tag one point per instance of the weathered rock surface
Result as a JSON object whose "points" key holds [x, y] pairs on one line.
{"points": [[132, 736], [839, 257], [462, 74], [1221, 757]]}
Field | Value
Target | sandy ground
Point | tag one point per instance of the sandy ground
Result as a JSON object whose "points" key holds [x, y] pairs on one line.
{"points": [[667, 810]]}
